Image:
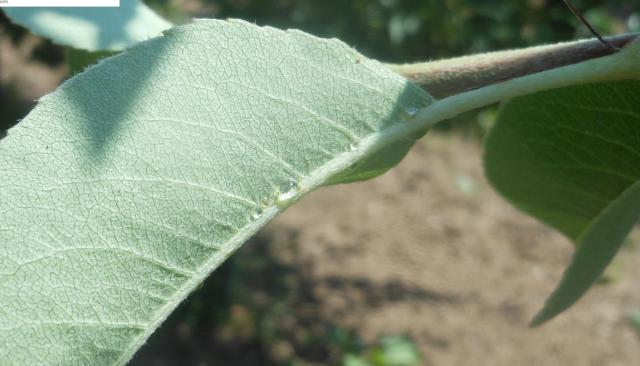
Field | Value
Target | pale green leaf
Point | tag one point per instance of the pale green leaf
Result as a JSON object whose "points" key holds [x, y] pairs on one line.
{"points": [[93, 29], [127, 186], [571, 158]]}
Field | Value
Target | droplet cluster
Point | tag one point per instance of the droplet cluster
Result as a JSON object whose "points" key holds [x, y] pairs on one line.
{"points": [[285, 194]]}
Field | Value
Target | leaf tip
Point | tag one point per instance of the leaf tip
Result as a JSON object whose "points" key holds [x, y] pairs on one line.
{"points": [[540, 318]]}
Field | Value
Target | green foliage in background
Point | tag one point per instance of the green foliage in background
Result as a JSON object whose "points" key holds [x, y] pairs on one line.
{"points": [[391, 351], [634, 319], [417, 30]]}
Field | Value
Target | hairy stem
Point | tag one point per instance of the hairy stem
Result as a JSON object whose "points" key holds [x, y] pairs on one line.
{"points": [[623, 65], [449, 77]]}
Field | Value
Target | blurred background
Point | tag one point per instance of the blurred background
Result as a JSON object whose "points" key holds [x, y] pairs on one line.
{"points": [[423, 266]]}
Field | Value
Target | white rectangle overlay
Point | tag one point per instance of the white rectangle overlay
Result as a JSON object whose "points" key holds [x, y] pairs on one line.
{"points": [[60, 3]]}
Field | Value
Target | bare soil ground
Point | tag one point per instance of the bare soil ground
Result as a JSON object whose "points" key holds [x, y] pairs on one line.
{"points": [[459, 270]]}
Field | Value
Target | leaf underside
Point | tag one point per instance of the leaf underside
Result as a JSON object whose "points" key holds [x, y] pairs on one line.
{"points": [[92, 29], [571, 158], [126, 187]]}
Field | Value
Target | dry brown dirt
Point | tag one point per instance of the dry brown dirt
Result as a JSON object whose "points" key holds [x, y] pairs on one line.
{"points": [[429, 250]]}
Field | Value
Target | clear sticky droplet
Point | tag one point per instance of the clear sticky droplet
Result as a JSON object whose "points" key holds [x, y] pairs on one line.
{"points": [[267, 201], [256, 213], [412, 111], [353, 147], [288, 191]]}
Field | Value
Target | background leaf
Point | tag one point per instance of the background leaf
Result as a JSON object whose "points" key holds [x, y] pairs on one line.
{"points": [[93, 29], [126, 187], [571, 158]]}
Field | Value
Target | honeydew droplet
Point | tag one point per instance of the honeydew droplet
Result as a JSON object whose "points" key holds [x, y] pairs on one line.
{"points": [[287, 191], [256, 213], [353, 147], [412, 111], [267, 201]]}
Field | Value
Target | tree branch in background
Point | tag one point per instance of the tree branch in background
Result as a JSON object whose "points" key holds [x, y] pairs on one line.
{"points": [[586, 23]]}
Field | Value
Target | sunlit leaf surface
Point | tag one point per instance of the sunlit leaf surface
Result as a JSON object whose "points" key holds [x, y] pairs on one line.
{"points": [[127, 186]]}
